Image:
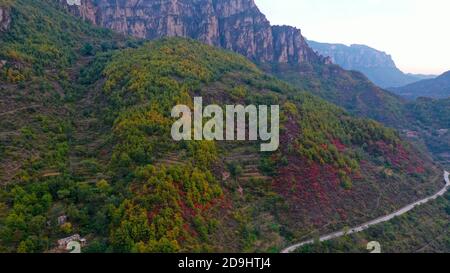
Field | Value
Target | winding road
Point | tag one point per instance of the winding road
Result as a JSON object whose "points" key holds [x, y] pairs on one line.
{"points": [[376, 221]]}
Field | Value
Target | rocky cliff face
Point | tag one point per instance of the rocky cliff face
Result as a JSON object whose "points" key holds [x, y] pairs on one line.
{"points": [[237, 25], [378, 66], [354, 56], [5, 19], [291, 47]]}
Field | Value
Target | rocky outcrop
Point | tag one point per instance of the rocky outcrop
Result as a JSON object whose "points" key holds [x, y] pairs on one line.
{"points": [[354, 56], [237, 25], [5, 19], [290, 46]]}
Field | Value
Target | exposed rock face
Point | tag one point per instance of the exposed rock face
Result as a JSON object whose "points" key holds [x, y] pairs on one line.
{"points": [[376, 65], [5, 19], [354, 56], [237, 25], [290, 46]]}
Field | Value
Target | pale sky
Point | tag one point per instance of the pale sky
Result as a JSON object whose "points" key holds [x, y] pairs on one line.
{"points": [[415, 32]]}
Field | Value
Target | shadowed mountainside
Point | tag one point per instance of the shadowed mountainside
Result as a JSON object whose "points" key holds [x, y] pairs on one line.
{"points": [[438, 88]]}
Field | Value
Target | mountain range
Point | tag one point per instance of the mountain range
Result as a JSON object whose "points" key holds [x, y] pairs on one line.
{"points": [[438, 88], [85, 144], [282, 51], [238, 25], [376, 65]]}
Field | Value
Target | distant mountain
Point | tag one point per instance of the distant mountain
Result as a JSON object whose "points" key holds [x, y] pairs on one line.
{"points": [[438, 88], [376, 65]]}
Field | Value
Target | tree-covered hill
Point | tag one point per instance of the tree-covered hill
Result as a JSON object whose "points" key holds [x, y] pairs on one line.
{"points": [[348, 89], [431, 117], [423, 230], [85, 133], [355, 93], [280, 50], [330, 165]]}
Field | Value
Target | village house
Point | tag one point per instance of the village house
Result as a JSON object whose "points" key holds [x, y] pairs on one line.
{"points": [[62, 243]]}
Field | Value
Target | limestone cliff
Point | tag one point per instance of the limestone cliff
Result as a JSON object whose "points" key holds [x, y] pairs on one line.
{"points": [[378, 66], [237, 25]]}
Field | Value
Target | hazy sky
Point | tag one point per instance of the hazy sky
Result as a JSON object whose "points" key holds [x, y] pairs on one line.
{"points": [[414, 32]]}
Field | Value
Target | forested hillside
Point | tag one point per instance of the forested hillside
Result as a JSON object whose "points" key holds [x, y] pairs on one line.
{"points": [[85, 134], [279, 50], [348, 89], [355, 93], [432, 118], [424, 230]]}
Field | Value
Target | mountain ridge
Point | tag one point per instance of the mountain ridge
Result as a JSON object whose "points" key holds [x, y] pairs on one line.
{"points": [[236, 25], [245, 30], [377, 65], [438, 88], [239, 26]]}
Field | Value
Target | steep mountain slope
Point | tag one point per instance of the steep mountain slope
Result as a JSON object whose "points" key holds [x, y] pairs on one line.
{"points": [[240, 26], [376, 65], [401, 235], [432, 122], [48, 140], [348, 89], [326, 161], [99, 149], [237, 25], [424, 121], [41, 54], [438, 88], [431, 112]]}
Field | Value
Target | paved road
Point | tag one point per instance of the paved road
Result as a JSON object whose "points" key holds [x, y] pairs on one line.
{"points": [[376, 221]]}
